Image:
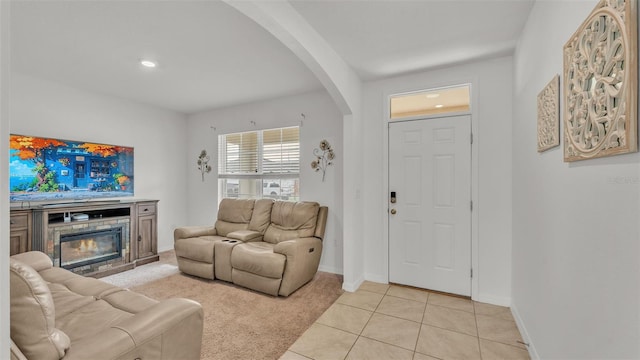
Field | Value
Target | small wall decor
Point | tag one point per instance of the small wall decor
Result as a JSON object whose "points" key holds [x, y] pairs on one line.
{"points": [[600, 83], [203, 163], [324, 157], [549, 115]]}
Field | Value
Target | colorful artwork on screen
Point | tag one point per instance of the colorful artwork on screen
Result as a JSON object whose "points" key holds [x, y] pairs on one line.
{"points": [[43, 169]]}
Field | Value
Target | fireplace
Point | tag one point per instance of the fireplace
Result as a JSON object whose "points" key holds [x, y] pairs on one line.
{"points": [[89, 247]]}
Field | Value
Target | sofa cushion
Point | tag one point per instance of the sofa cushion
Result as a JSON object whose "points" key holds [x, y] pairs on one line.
{"points": [[67, 301], [234, 214], [198, 248], [292, 220], [33, 315], [258, 258], [261, 217], [81, 285], [91, 319]]}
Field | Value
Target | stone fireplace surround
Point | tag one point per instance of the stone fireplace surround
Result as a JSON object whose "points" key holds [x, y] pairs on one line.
{"points": [[55, 232]]}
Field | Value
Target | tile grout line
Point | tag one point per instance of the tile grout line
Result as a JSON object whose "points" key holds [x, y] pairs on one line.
{"points": [[475, 318], [367, 323], [424, 313], [304, 356]]}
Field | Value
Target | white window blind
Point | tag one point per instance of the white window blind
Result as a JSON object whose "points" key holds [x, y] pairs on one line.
{"points": [[238, 153], [264, 163], [281, 151]]}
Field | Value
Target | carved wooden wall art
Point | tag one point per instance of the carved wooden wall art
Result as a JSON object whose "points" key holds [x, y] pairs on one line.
{"points": [[600, 83], [549, 115]]}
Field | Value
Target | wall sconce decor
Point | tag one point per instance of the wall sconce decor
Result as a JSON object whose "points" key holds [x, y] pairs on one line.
{"points": [[601, 83], [203, 163], [324, 157]]}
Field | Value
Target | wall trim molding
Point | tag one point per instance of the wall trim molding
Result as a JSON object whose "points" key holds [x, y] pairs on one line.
{"points": [[533, 353], [352, 286]]}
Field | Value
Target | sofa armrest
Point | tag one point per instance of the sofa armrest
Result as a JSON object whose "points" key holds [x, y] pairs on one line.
{"points": [[245, 235], [171, 329], [37, 260], [185, 232], [111, 343], [16, 354], [303, 258]]}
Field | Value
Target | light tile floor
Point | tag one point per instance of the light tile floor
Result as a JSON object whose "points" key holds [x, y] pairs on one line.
{"points": [[382, 321]]}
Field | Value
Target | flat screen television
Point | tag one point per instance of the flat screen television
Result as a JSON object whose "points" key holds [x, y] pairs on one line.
{"points": [[45, 169]]}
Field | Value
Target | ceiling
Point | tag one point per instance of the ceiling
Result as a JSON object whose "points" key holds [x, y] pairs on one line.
{"points": [[210, 56]]}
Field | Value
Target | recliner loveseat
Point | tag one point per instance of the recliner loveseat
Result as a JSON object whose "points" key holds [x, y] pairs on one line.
{"points": [[269, 246]]}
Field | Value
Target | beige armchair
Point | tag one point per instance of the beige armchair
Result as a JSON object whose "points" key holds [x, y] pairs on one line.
{"points": [[289, 255], [195, 245]]}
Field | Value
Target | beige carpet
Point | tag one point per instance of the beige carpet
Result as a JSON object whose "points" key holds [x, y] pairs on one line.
{"points": [[243, 324]]}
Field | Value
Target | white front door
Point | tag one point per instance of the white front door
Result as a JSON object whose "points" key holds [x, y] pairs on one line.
{"points": [[430, 221]]}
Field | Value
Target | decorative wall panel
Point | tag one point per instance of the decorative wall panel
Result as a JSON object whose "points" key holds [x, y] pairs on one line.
{"points": [[600, 83], [549, 115]]}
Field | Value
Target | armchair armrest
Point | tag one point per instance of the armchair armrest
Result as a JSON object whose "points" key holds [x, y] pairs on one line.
{"points": [[303, 258], [245, 235], [37, 260], [16, 354], [297, 247], [171, 329], [193, 231]]}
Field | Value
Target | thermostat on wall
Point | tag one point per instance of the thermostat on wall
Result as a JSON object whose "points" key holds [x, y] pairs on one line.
{"points": [[79, 217]]}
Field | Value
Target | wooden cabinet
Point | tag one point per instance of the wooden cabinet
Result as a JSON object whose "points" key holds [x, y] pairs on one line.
{"points": [[41, 227], [20, 231], [146, 232]]}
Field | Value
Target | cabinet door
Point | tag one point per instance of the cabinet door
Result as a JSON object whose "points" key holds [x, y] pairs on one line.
{"points": [[147, 237], [19, 241], [19, 232]]}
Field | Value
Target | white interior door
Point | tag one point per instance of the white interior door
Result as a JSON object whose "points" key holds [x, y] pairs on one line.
{"points": [[430, 221]]}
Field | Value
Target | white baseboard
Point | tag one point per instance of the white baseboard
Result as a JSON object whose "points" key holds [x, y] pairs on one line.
{"points": [[525, 334], [353, 286], [376, 278], [494, 300]]}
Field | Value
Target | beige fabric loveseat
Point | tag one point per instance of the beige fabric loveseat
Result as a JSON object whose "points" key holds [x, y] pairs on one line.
{"points": [[269, 246], [56, 314]]}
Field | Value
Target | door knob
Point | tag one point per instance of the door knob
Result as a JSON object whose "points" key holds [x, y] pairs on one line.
{"points": [[393, 211]]}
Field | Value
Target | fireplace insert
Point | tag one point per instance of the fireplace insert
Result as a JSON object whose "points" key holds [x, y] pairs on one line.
{"points": [[85, 248]]}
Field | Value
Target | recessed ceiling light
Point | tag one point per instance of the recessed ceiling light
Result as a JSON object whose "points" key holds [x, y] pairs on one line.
{"points": [[148, 63], [432, 96], [439, 106]]}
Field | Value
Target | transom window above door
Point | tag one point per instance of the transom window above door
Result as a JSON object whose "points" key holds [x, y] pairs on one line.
{"points": [[453, 99]]}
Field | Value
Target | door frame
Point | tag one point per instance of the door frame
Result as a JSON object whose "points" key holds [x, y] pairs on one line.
{"points": [[384, 198]]}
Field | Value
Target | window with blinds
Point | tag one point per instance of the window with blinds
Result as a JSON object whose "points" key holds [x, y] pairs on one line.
{"points": [[258, 164]]}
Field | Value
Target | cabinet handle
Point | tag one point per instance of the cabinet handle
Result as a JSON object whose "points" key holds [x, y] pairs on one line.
{"points": [[146, 209], [139, 237]]}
